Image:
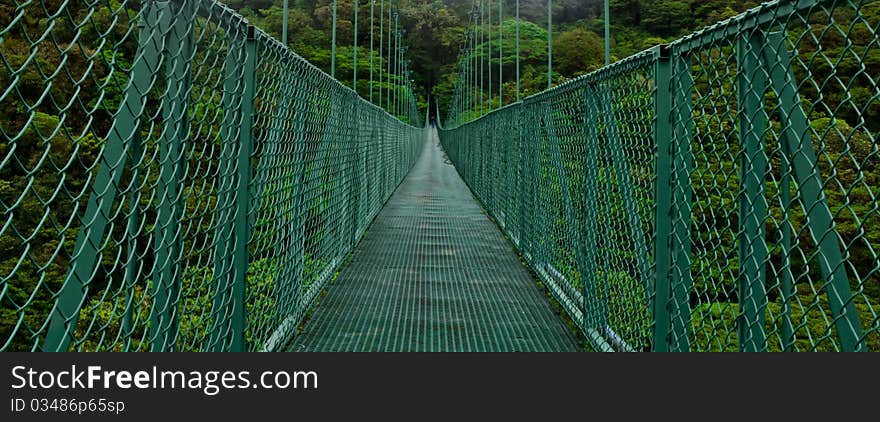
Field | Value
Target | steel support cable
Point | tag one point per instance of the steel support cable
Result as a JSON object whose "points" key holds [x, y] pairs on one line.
{"points": [[251, 199], [381, 48], [500, 53], [773, 289], [285, 9], [517, 51], [372, 8], [482, 70], [489, 54], [390, 61], [549, 43], [354, 79], [607, 33]]}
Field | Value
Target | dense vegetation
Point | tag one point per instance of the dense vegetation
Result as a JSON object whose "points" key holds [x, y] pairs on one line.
{"points": [[38, 157], [435, 32]]}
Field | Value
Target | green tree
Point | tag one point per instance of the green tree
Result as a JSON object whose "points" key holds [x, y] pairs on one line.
{"points": [[577, 52], [667, 17]]}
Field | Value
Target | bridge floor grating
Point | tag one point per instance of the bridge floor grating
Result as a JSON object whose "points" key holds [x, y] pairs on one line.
{"points": [[434, 274]]}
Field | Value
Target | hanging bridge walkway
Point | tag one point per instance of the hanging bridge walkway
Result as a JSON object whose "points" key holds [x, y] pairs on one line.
{"points": [[433, 273], [172, 178]]}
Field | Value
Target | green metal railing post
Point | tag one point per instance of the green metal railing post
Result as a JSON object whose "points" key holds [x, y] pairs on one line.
{"points": [[820, 221], [681, 282], [726, 206], [228, 201], [752, 294], [663, 144], [166, 267], [786, 277], [123, 138], [243, 198], [132, 230]]}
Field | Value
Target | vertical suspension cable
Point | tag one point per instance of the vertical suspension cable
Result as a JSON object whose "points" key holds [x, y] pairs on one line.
{"points": [[517, 51], [489, 52], [482, 46], [284, 24], [354, 78], [333, 48], [607, 34], [388, 74], [397, 92], [397, 55], [500, 53], [372, 8], [549, 43], [381, 44], [472, 106], [466, 71]]}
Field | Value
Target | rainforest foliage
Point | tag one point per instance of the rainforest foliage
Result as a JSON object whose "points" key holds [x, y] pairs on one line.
{"points": [[69, 82]]}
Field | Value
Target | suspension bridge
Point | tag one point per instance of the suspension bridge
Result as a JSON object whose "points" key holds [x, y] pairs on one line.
{"points": [[175, 179]]}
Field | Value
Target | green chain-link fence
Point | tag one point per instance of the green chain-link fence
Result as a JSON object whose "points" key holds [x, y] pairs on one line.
{"points": [[719, 193], [172, 178]]}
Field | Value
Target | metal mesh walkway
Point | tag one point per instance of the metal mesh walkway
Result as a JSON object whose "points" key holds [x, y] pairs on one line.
{"points": [[433, 273]]}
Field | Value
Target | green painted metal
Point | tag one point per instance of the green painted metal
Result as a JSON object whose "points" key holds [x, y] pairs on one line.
{"points": [[372, 31], [175, 133], [243, 222], [354, 78], [752, 296], [663, 134], [595, 314], [482, 70], [607, 24], [124, 133], [333, 44], [285, 10], [682, 283], [517, 52], [625, 185], [389, 62], [500, 52], [549, 44], [730, 175], [381, 45], [223, 272], [202, 184], [203, 209], [798, 150], [405, 289], [489, 91]]}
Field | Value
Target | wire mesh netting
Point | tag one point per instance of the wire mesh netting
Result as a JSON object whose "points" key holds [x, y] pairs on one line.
{"points": [[434, 274], [718, 193], [172, 178]]}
